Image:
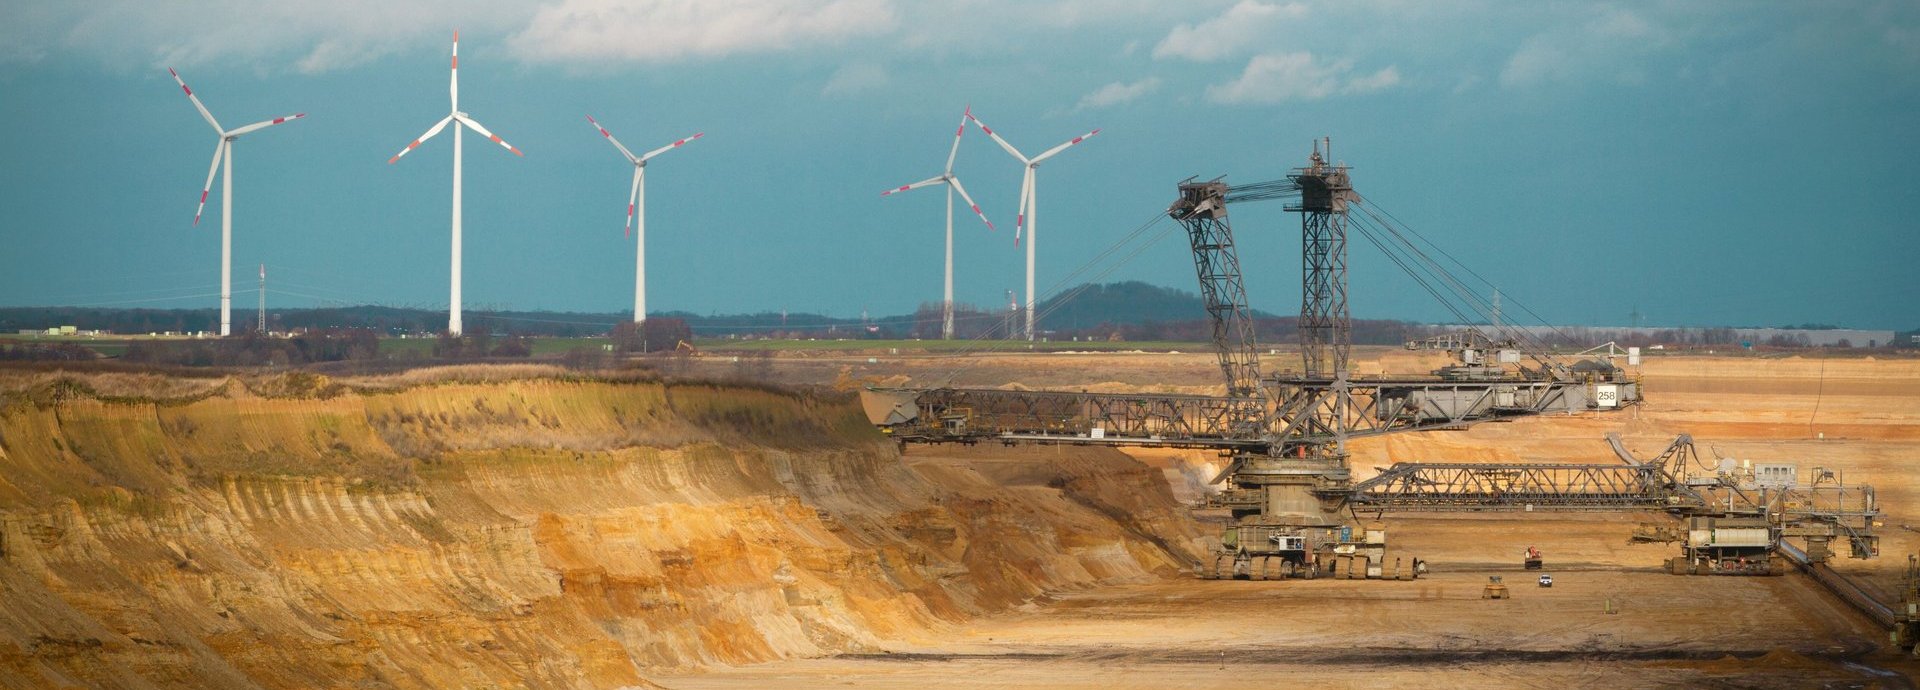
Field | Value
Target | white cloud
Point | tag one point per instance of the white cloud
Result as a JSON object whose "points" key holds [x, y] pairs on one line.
{"points": [[1386, 78], [310, 37], [1117, 93], [1611, 44], [1537, 60], [853, 78], [1281, 77], [1240, 28], [666, 30]]}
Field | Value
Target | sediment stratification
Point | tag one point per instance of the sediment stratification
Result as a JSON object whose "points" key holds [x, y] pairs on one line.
{"points": [[552, 531]]}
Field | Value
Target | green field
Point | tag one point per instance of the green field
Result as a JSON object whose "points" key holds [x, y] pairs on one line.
{"points": [[405, 347]]}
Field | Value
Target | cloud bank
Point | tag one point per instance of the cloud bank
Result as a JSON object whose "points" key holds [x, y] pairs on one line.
{"points": [[1117, 93], [1279, 78]]}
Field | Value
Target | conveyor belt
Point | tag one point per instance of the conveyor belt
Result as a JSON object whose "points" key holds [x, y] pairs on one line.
{"points": [[1841, 587]]}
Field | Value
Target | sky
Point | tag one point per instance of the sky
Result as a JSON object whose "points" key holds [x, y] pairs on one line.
{"points": [[1696, 163]]}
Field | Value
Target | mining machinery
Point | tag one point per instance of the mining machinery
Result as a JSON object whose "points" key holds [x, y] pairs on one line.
{"points": [[1904, 622], [1292, 504], [1729, 518]]}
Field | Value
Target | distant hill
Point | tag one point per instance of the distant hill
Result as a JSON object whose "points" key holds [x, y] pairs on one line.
{"points": [[1123, 304]]}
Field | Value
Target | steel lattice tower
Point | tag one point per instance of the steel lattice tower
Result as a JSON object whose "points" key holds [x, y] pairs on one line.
{"points": [[1326, 327], [1202, 211]]}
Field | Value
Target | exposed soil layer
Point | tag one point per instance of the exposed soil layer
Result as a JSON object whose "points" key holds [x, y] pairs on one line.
{"points": [[521, 533]]}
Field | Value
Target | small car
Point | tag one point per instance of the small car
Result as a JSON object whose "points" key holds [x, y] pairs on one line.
{"points": [[1546, 580]]}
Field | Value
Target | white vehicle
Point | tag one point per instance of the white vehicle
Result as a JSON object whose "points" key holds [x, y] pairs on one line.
{"points": [[1546, 580]]}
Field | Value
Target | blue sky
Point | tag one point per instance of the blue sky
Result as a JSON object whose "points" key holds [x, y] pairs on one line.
{"points": [[1704, 162]]}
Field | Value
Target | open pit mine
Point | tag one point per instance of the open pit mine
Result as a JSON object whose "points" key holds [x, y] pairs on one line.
{"points": [[534, 527]]}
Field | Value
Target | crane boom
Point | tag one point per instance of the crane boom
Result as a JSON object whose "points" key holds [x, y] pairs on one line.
{"points": [[1202, 211]]}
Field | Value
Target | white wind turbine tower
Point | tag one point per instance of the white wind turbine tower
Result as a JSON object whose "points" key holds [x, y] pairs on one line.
{"points": [[458, 119], [953, 184], [638, 195], [223, 151], [1029, 202]]}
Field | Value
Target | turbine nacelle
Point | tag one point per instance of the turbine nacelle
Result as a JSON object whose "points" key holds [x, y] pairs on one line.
{"points": [[226, 138], [639, 165]]}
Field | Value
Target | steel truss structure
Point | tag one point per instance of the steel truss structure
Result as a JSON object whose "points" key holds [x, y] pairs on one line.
{"points": [[1320, 413], [1326, 327], [1202, 210], [1513, 486]]}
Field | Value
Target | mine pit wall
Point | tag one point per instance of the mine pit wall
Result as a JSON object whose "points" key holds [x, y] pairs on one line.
{"points": [[539, 533]]}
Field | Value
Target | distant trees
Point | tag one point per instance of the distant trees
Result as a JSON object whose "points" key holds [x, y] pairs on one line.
{"points": [[479, 342], [653, 335], [255, 349], [45, 352]]}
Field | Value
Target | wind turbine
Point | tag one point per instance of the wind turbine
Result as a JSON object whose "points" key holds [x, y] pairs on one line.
{"points": [[953, 184], [1029, 202], [223, 151], [458, 119], [639, 195]]}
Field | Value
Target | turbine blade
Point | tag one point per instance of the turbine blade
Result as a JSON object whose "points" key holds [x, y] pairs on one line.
{"points": [[916, 185], [263, 125], [616, 142], [196, 101], [453, 84], [435, 129], [670, 147], [212, 170], [495, 138], [632, 195], [996, 137], [957, 131], [1026, 193], [976, 207], [1057, 149]]}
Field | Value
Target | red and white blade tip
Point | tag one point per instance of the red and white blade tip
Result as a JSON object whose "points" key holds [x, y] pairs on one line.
{"points": [[598, 126], [983, 217], [410, 147]]}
